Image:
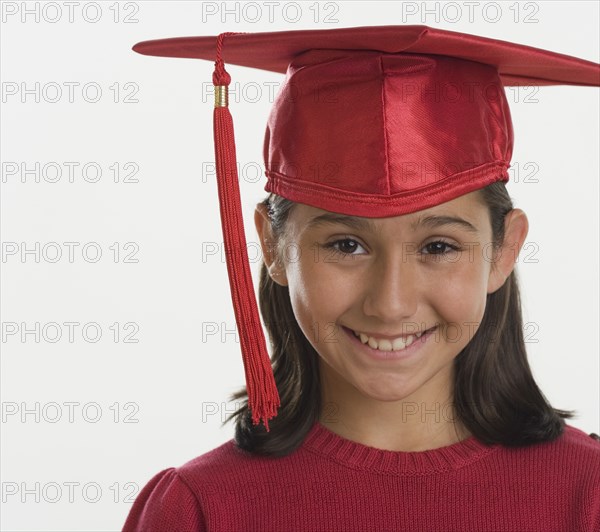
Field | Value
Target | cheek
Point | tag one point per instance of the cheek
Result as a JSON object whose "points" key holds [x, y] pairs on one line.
{"points": [[460, 297], [318, 296]]}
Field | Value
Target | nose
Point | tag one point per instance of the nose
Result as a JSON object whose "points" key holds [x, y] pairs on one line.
{"points": [[391, 289]]}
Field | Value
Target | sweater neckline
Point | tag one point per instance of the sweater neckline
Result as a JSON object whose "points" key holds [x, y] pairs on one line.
{"points": [[321, 440]]}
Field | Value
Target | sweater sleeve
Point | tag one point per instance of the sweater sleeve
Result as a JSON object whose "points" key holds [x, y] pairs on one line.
{"points": [[165, 504]]}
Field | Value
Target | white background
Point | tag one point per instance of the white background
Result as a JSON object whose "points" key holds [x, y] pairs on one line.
{"points": [[172, 378]]}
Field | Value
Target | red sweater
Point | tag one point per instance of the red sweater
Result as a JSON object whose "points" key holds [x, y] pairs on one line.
{"points": [[333, 484]]}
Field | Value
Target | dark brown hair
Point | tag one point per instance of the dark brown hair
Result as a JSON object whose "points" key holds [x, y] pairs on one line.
{"points": [[495, 395]]}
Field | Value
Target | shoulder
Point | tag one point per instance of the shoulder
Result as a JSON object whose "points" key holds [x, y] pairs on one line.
{"points": [[576, 444], [166, 503], [179, 496], [176, 498], [229, 470], [579, 437], [574, 456], [583, 449]]}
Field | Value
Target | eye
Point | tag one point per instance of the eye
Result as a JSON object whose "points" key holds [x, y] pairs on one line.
{"points": [[345, 246], [439, 247]]}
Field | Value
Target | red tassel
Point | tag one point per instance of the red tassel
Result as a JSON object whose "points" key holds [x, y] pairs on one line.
{"points": [[263, 398]]}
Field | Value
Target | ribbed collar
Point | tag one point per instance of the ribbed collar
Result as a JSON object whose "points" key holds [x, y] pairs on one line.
{"points": [[320, 440]]}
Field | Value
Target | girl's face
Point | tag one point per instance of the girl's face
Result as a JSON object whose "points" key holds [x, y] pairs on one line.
{"points": [[388, 277]]}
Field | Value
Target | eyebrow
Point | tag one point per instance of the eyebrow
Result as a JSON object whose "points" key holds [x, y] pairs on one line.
{"points": [[433, 221], [331, 218], [362, 224]]}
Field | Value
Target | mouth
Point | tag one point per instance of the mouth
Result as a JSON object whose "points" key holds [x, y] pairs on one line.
{"points": [[398, 343]]}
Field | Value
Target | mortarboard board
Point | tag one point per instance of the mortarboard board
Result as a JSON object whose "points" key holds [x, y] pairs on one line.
{"points": [[370, 121]]}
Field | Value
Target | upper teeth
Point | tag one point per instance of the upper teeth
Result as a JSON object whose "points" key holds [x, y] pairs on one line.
{"points": [[388, 345]]}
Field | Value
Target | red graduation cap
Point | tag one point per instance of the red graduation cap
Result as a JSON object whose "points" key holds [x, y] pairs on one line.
{"points": [[370, 121]]}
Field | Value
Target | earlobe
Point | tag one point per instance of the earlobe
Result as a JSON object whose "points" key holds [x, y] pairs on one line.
{"points": [[268, 244], [516, 227]]}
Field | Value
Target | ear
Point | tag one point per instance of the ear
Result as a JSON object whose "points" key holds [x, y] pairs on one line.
{"points": [[516, 228], [268, 244]]}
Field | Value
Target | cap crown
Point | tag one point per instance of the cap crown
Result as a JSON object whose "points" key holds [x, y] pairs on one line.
{"points": [[375, 134]]}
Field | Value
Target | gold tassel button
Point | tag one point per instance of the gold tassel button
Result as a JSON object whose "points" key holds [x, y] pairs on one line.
{"points": [[221, 96]]}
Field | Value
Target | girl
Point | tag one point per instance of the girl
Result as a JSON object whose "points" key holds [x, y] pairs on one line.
{"points": [[400, 396]]}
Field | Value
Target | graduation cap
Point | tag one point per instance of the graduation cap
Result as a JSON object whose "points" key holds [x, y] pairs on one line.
{"points": [[370, 121]]}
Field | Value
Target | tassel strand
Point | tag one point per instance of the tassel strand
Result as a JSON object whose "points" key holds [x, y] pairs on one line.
{"points": [[263, 397]]}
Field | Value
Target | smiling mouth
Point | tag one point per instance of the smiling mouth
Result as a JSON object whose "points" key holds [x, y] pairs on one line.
{"points": [[393, 344]]}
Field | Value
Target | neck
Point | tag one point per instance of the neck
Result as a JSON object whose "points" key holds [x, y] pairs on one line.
{"points": [[422, 420], [381, 435]]}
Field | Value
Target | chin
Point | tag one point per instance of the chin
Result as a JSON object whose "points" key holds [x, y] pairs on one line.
{"points": [[386, 395]]}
